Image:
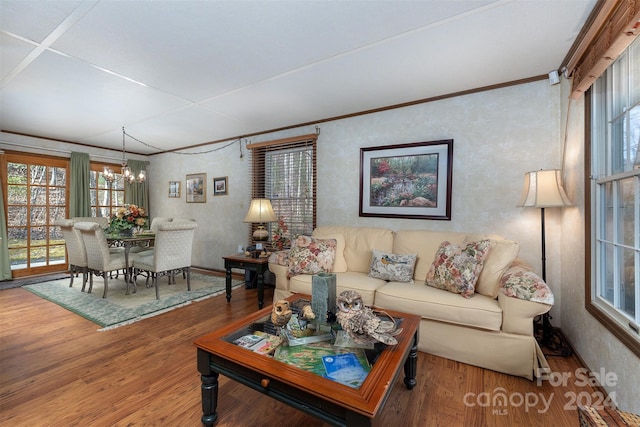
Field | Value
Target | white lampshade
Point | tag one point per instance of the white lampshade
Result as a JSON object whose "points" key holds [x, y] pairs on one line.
{"points": [[543, 189], [260, 211]]}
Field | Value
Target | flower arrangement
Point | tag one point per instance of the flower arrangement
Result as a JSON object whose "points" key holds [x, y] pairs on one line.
{"points": [[127, 218], [280, 235]]}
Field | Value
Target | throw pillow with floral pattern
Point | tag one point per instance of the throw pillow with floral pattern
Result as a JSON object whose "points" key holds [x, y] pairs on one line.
{"points": [[309, 255], [524, 284], [456, 267]]}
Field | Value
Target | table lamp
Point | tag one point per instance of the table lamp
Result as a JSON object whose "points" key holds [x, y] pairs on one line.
{"points": [[260, 211]]}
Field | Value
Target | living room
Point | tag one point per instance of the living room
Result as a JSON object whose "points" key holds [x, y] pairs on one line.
{"points": [[499, 133]]}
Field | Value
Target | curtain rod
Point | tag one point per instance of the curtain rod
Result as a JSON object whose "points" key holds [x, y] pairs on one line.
{"points": [[59, 150]]}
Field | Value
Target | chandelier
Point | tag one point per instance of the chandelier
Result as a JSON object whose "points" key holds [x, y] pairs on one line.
{"points": [[110, 176]]}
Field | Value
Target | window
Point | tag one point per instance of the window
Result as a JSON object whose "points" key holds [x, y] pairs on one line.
{"points": [[284, 171], [36, 194], [614, 294], [105, 197]]}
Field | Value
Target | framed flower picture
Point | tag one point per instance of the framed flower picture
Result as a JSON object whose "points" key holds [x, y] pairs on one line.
{"points": [[407, 180]]}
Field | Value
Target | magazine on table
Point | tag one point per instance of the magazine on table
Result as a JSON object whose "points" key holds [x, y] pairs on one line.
{"points": [[345, 368], [259, 342]]}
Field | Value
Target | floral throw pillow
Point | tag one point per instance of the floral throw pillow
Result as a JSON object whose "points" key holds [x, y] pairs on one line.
{"points": [[456, 267], [392, 267], [522, 283], [309, 255]]}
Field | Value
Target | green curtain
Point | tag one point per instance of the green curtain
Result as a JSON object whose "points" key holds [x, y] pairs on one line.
{"points": [[79, 189], [137, 194], [5, 263]]}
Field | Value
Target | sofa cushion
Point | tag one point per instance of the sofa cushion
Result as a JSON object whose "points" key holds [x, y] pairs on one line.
{"points": [[309, 255], [436, 304], [340, 264], [456, 267], [394, 267], [359, 282], [359, 244], [501, 254], [425, 243]]}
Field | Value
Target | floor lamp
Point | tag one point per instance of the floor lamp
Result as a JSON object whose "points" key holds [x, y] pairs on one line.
{"points": [[543, 189]]}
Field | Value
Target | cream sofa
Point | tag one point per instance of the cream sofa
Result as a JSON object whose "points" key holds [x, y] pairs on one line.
{"points": [[492, 329]]}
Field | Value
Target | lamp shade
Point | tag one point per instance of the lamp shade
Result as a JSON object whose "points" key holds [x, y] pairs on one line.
{"points": [[543, 189], [260, 211]]}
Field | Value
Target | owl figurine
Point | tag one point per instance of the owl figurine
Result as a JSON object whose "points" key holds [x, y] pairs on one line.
{"points": [[281, 313], [307, 313], [361, 323]]}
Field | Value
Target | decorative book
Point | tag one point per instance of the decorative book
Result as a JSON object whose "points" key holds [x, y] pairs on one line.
{"points": [[345, 368]]}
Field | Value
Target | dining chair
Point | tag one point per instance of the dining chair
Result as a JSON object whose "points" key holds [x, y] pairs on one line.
{"points": [[171, 254], [102, 220], [100, 259], [156, 221], [76, 252]]}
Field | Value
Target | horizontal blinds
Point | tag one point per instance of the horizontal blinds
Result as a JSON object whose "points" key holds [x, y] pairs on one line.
{"points": [[284, 171]]}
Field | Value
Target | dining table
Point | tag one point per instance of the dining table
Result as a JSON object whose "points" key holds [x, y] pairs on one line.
{"points": [[127, 241]]}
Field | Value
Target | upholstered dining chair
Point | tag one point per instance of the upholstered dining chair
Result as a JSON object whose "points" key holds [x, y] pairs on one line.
{"points": [[156, 221], [183, 220], [171, 254], [100, 259], [102, 220], [76, 252]]}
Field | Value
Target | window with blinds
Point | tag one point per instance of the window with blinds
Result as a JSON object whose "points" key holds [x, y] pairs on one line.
{"points": [[284, 171]]}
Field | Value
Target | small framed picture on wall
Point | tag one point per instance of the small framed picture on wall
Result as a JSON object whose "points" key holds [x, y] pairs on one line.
{"points": [[174, 189], [197, 188], [220, 186]]}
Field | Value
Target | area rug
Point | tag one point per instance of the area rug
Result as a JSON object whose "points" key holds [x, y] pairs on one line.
{"points": [[119, 309]]}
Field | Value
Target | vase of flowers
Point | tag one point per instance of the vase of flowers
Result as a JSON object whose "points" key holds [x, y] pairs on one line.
{"points": [[280, 235], [127, 219]]}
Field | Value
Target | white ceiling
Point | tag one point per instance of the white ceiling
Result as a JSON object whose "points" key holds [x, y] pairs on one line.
{"points": [[182, 73]]}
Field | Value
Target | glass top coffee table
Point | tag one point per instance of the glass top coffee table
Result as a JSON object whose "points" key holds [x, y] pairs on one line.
{"points": [[306, 390]]}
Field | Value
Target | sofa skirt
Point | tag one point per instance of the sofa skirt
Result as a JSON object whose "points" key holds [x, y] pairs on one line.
{"points": [[511, 354]]}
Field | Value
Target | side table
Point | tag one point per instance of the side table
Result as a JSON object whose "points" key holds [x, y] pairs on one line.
{"points": [[259, 265]]}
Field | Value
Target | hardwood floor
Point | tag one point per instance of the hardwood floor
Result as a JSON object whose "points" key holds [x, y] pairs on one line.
{"points": [[57, 370]]}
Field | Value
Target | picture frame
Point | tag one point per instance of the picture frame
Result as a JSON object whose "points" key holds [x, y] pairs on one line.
{"points": [[174, 189], [220, 187], [197, 188], [410, 181]]}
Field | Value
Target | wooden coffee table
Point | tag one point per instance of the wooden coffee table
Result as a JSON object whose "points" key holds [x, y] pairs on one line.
{"points": [[320, 397]]}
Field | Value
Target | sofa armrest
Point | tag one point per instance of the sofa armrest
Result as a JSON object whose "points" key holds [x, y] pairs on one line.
{"points": [[279, 265], [282, 281], [518, 314], [523, 295]]}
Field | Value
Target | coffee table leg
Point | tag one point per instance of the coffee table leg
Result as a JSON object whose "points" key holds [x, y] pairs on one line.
{"points": [[209, 398], [228, 276], [411, 365], [209, 388]]}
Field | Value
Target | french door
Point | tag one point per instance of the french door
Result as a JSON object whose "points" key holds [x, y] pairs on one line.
{"points": [[36, 193]]}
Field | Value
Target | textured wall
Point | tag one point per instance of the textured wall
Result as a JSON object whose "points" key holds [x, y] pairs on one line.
{"points": [[498, 136]]}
